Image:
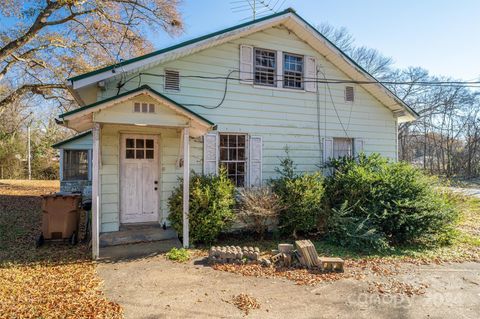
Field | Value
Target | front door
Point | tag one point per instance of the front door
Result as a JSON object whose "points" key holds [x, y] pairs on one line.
{"points": [[139, 178]]}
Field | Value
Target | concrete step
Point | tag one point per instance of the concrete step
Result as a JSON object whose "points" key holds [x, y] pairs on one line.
{"points": [[136, 234], [138, 250]]}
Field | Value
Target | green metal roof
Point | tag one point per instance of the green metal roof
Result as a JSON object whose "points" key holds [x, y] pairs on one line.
{"points": [[71, 139], [177, 46], [140, 88], [239, 26]]}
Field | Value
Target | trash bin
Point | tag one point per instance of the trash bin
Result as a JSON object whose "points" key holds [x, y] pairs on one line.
{"points": [[61, 217]]}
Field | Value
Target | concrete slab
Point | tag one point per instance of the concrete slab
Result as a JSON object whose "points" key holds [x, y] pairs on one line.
{"points": [[138, 250]]}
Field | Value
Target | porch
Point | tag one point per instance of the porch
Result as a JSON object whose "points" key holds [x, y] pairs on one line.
{"points": [[143, 143]]}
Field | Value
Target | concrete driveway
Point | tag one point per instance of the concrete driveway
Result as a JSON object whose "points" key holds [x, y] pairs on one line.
{"points": [[157, 288]]}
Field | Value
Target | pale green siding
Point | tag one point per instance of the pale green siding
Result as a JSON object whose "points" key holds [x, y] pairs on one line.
{"points": [[284, 118], [81, 143]]}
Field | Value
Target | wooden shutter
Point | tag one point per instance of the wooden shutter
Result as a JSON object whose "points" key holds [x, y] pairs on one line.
{"points": [[327, 149], [210, 153], [310, 74], [246, 64], [255, 161], [358, 145]]}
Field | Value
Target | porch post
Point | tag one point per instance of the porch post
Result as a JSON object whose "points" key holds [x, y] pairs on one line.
{"points": [[186, 185], [95, 190]]}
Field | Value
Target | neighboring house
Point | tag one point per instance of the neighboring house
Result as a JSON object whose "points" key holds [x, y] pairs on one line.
{"points": [[238, 98]]}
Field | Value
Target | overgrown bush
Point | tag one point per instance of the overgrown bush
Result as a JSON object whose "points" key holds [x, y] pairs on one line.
{"points": [[375, 203], [301, 195], [259, 207], [211, 206]]}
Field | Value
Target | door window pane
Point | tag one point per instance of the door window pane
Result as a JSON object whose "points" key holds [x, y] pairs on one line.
{"points": [[139, 154], [149, 154], [139, 148], [149, 143]]}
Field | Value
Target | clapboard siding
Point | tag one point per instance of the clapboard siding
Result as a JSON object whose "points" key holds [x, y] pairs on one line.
{"points": [[284, 118]]}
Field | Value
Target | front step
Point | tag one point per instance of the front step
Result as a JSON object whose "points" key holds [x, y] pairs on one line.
{"points": [[138, 250], [136, 234]]}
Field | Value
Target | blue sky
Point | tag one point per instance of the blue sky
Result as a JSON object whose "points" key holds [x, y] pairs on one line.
{"points": [[439, 35]]}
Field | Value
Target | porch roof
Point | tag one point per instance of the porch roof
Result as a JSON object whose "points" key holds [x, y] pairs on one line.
{"points": [[92, 107]]}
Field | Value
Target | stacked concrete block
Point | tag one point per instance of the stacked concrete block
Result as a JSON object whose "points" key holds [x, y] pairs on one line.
{"points": [[233, 254]]}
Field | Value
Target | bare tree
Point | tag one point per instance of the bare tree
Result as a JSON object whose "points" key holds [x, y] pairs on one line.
{"points": [[53, 40]]}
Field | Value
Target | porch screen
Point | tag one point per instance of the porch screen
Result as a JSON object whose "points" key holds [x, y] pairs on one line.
{"points": [[75, 165]]}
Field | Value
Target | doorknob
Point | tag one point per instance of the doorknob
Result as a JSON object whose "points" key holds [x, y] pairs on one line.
{"points": [[156, 182], [156, 188]]}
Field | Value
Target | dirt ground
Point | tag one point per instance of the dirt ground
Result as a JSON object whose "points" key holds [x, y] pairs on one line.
{"points": [[157, 288]]}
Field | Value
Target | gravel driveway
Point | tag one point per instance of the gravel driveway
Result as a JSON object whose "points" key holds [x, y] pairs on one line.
{"points": [[157, 288]]}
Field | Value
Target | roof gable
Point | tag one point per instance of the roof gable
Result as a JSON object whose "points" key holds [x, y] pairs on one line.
{"points": [[289, 19]]}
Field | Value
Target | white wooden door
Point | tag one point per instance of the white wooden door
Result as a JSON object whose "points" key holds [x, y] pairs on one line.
{"points": [[139, 185]]}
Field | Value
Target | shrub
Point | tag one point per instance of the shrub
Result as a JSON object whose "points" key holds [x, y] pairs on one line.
{"points": [[258, 207], [180, 255], [211, 206], [395, 200], [301, 195]]}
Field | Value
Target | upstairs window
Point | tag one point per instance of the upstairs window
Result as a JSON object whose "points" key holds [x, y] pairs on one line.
{"points": [[349, 94], [232, 157], [265, 67], [172, 80], [292, 71], [75, 165], [143, 107]]}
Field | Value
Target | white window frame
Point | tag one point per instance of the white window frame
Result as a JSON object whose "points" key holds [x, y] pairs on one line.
{"points": [[246, 156], [302, 75], [274, 68]]}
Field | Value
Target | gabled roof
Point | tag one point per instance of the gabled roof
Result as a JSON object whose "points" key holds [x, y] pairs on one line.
{"points": [[290, 19], [71, 139], [92, 107]]}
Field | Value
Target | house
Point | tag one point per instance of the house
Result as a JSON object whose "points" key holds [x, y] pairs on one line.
{"points": [[237, 97]]}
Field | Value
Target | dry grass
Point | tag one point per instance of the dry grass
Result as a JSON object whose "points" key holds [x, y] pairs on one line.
{"points": [[54, 281]]}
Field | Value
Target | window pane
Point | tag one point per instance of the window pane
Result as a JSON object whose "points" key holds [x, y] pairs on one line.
{"points": [[293, 71], [136, 107], [149, 154], [224, 140], [130, 143], [139, 154], [265, 67], [139, 143], [241, 154], [144, 107], [223, 154], [129, 154], [342, 147], [232, 157], [151, 108], [75, 165], [149, 143], [232, 154]]}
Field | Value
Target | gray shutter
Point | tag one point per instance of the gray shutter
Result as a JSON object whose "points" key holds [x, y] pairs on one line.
{"points": [[358, 145], [310, 74], [210, 153], [246, 64], [327, 149], [255, 161]]}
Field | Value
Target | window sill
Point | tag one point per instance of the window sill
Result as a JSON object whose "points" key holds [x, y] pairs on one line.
{"points": [[276, 88]]}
